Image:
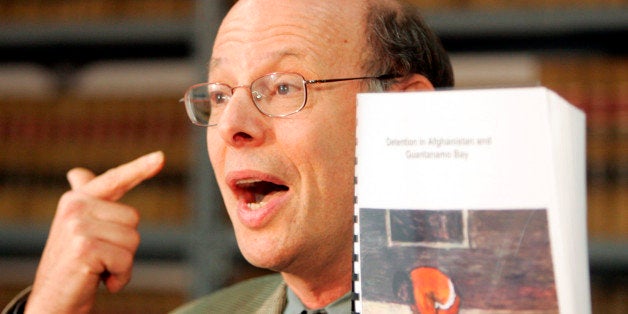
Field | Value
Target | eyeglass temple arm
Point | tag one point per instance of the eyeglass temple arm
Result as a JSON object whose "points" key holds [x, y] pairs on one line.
{"points": [[381, 77]]}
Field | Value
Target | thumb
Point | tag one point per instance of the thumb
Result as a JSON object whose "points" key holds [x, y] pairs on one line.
{"points": [[79, 177]]}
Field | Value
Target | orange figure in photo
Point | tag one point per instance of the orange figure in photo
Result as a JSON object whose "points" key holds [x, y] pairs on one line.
{"points": [[428, 291], [433, 292]]}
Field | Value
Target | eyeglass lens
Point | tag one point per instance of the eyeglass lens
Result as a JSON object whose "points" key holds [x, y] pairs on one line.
{"points": [[276, 94]]}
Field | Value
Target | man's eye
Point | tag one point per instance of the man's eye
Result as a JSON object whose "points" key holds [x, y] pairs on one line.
{"points": [[284, 89], [219, 98]]}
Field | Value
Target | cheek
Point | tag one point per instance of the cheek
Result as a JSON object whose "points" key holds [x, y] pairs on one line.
{"points": [[333, 154], [338, 149], [341, 160], [339, 139], [216, 152], [215, 149], [217, 157]]}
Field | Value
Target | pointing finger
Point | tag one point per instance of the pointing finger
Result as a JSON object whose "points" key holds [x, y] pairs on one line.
{"points": [[114, 183]]}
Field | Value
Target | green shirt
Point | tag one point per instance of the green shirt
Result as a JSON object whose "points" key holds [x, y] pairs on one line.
{"points": [[295, 306]]}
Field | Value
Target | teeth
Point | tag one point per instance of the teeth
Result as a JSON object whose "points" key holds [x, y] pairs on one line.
{"points": [[247, 182], [258, 203], [254, 191], [256, 206]]}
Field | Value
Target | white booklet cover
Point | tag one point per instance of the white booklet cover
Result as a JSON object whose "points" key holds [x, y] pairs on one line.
{"points": [[470, 201]]}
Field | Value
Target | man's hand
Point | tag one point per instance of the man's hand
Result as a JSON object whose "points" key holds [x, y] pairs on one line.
{"points": [[92, 238]]}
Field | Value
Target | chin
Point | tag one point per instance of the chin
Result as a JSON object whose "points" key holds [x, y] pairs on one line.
{"points": [[263, 251], [267, 260]]}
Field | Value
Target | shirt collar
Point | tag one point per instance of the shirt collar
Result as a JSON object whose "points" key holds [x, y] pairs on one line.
{"points": [[294, 305]]}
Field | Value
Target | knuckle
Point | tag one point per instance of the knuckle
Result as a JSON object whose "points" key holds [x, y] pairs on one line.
{"points": [[134, 217], [127, 260], [77, 228], [84, 246], [121, 264], [134, 241], [71, 203]]}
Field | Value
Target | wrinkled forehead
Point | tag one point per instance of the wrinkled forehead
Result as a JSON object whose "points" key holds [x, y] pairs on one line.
{"points": [[256, 30], [321, 15]]}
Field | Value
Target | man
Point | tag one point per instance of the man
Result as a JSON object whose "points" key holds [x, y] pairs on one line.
{"points": [[284, 167]]}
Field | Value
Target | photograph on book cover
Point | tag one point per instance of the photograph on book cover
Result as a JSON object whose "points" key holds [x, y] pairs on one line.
{"points": [[456, 261]]}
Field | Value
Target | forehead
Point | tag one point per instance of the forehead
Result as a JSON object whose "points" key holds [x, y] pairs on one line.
{"points": [[290, 34]]}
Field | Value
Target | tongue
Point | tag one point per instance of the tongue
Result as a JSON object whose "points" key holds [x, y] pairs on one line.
{"points": [[262, 189], [259, 197], [265, 187]]}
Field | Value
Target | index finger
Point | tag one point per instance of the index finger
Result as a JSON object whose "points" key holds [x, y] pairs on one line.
{"points": [[115, 182]]}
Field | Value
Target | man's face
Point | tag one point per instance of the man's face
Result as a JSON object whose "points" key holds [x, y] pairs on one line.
{"points": [[288, 182]]}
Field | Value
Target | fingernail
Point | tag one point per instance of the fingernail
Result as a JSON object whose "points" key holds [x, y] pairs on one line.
{"points": [[155, 158]]}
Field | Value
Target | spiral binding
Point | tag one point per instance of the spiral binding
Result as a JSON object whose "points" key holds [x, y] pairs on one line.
{"points": [[355, 284]]}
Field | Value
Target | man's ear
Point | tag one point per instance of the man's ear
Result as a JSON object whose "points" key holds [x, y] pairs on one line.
{"points": [[412, 83]]}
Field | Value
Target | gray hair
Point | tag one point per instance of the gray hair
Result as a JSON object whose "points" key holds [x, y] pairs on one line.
{"points": [[403, 44]]}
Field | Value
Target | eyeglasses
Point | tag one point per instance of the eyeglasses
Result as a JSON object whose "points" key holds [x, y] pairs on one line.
{"points": [[274, 95]]}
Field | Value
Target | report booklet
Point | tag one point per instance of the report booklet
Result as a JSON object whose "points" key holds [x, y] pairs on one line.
{"points": [[470, 201]]}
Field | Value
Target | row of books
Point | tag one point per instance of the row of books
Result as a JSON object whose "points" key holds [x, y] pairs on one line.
{"points": [[599, 86], [50, 138], [38, 149], [516, 4], [33, 201], [93, 10], [110, 113]]}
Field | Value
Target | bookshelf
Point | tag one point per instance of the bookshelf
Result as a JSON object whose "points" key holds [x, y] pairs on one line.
{"points": [[96, 83], [538, 36]]}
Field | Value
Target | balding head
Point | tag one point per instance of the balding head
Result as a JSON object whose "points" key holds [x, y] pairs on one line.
{"points": [[307, 24], [392, 33]]}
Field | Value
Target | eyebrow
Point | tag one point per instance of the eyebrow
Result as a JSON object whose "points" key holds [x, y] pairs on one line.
{"points": [[213, 62], [274, 57]]}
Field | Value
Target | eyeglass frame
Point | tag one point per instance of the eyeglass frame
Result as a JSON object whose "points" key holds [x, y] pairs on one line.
{"points": [[190, 111]]}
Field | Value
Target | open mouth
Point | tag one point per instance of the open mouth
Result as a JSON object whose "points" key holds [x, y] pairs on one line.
{"points": [[256, 193]]}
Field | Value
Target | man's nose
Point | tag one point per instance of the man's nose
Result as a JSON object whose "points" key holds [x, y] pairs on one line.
{"points": [[241, 123]]}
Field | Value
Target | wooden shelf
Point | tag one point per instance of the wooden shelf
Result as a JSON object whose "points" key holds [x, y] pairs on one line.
{"points": [[158, 242], [546, 22], [539, 21], [170, 243], [119, 32], [548, 30]]}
